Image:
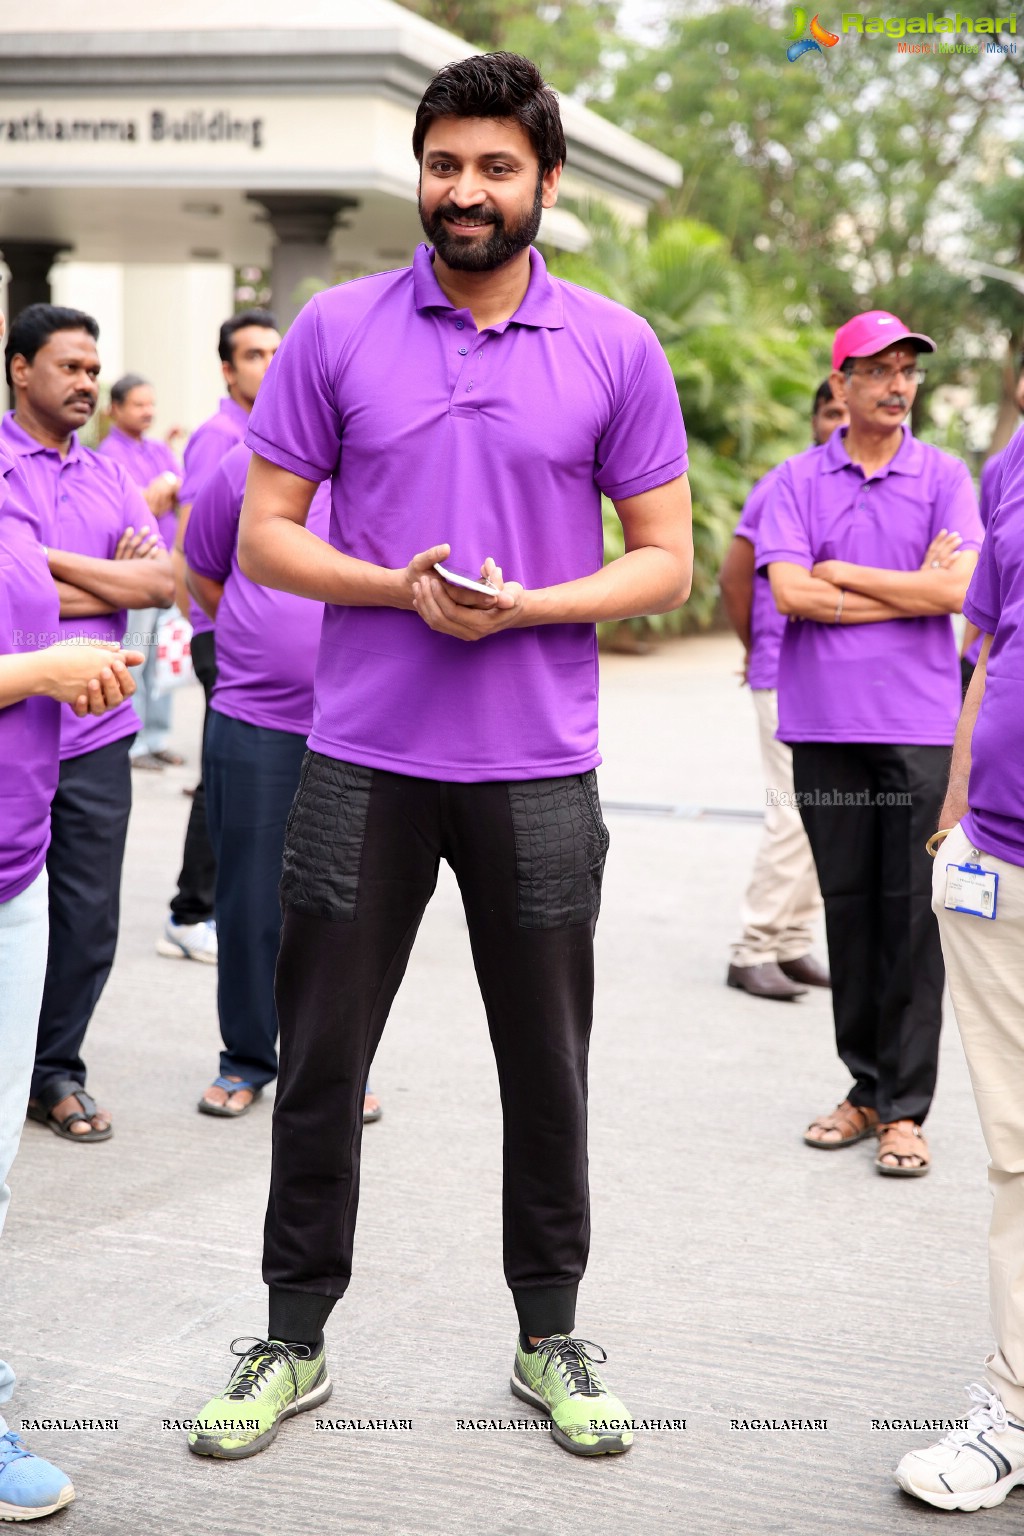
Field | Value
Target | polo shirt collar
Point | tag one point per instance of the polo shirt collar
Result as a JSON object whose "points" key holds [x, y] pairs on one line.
{"points": [[23, 443], [541, 306], [237, 412], [907, 460]]}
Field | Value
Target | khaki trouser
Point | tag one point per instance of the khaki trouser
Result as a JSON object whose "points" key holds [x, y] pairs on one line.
{"points": [[985, 968], [782, 899]]}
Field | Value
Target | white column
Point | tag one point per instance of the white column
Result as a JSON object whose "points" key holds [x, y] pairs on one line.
{"points": [[172, 317]]}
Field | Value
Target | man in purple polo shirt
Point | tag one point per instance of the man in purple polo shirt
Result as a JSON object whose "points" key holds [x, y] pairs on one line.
{"points": [[870, 542], [37, 674], [246, 345], [470, 409], [104, 560], [261, 712], [978, 898], [782, 902], [157, 473], [991, 473]]}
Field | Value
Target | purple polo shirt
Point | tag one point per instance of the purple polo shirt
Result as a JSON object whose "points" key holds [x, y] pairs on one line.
{"points": [[897, 681], [144, 458], [498, 443], [30, 730], [767, 624], [995, 602], [203, 452], [267, 641], [991, 472], [84, 504]]}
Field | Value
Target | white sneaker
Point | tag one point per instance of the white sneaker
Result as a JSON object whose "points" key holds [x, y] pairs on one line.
{"points": [[972, 1468], [189, 941]]}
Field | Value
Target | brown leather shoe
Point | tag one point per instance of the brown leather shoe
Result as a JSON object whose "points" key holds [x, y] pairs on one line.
{"points": [[807, 970], [764, 981]]}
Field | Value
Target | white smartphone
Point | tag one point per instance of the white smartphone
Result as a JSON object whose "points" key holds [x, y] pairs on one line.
{"points": [[464, 579]]}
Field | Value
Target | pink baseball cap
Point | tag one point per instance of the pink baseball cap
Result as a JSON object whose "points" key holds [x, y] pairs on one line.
{"points": [[872, 332]]}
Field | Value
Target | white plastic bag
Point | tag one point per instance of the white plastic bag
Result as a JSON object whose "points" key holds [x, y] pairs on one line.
{"points": [[173, 653]]}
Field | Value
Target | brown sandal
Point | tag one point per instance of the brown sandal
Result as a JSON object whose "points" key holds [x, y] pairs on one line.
{"points": [[852, 1121], [899, 1139]]}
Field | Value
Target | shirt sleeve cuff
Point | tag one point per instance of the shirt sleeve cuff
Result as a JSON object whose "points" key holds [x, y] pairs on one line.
{"points": [[765, 557], [647, 482], [986, 622], [283, 459], [205, 570]]}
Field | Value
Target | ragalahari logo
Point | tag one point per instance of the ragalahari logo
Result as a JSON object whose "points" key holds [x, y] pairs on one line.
{"points": [[802, 44]]}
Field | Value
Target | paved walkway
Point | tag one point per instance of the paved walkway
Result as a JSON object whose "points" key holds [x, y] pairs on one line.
{"points": [[735, 1275]]}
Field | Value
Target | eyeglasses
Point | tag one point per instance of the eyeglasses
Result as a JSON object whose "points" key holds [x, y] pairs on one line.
{"points": [[879, 373]]}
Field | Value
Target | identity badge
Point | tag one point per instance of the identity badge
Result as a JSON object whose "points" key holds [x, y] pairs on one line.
{"points": [[969, 888]]}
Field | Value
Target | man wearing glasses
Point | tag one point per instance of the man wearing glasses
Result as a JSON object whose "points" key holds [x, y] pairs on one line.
{"points": [[870, 543]]}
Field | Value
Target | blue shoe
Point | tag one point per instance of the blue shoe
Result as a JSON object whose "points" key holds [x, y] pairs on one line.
{"points": [[29, 1486]]}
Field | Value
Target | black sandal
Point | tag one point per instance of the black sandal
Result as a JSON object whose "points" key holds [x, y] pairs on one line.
{"points": [[66, 1088]]}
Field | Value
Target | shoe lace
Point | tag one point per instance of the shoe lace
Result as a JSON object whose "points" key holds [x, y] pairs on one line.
{"points": [[989, 1413], [259, 1358], [11, 1449], [573, 1358]]}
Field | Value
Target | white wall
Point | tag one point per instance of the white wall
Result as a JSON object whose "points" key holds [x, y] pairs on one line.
{"points": [[160, 321]]}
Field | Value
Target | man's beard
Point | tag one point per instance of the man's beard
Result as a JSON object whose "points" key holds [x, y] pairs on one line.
{"points": [[484, 255]]}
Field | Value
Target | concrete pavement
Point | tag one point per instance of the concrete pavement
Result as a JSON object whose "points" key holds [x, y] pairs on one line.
{"points": [[735, 1274]]}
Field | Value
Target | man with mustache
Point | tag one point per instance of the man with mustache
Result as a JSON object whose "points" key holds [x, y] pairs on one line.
{"points": [[105, 558], [870, 543], [472, 409]]}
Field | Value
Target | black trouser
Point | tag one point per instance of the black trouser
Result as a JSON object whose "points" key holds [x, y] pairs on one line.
{"points": [[883, 940], [193, 902], [88, 827], [251, 775], [360, 864]]}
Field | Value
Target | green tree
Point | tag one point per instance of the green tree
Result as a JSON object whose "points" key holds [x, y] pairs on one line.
{"points": [[567, 39], [840, 180], [745, 378]]}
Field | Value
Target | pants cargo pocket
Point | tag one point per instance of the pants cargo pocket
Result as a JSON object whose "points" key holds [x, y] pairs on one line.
{"points": [[561, 844]]}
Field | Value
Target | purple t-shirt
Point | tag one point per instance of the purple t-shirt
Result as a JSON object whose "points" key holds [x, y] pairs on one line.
{"points": [[995, 602], [203, 452], [267, 641], [30, 730], [498, 443], [84, 504], [767, 624], [144, 458], [897, 681], [991, 472]]}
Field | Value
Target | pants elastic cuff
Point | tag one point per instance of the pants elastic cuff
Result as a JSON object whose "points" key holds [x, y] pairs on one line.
{"points": [[545, 1309], [296, 1316]]}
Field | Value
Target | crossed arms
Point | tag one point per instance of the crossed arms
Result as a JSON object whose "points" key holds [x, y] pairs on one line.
{"points": [[871, 594], [138, 576]]}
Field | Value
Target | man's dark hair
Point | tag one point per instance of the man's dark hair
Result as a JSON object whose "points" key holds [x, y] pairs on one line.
{"points": [[495, 85], [35, 325], [822, 395], [120, 391], [226, 345]]}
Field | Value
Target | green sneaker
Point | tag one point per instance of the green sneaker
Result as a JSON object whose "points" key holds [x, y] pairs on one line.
{"points": [[559, 1376], [270, 1383]]}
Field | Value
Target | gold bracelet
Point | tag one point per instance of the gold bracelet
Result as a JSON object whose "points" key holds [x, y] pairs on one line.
{"points": [[839, 605], [937, 838]]}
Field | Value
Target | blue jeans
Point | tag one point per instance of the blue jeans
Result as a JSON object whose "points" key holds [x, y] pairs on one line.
{"points": [[23, 938], [251, 774], [153, 708]]}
